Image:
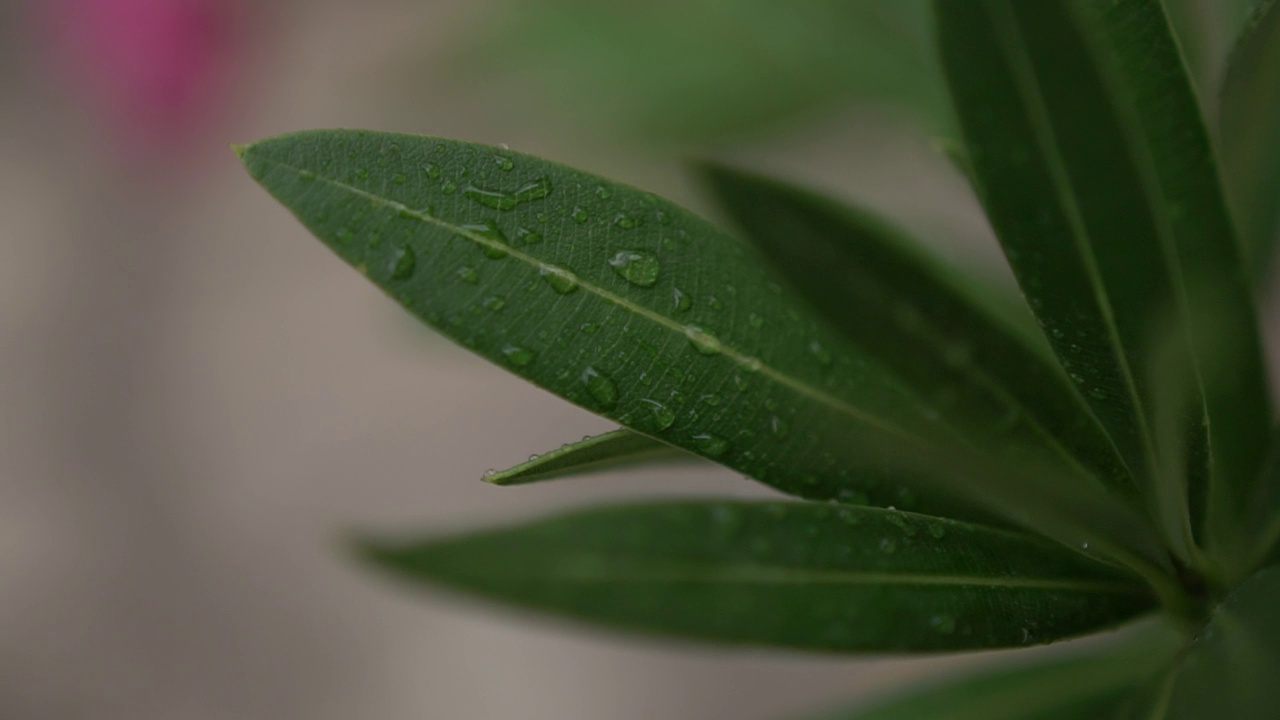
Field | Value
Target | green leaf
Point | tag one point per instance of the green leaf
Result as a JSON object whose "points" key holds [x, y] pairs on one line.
{"points": [[621, 447], [799, 575], [1087, 685], [696, 70], [1250, 138], [1231, 668], [612, 298], [1098, 176], [1263, 521], [918, 318]]}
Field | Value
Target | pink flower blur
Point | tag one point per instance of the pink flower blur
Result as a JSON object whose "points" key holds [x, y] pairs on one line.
{"points": [[154, 72]]}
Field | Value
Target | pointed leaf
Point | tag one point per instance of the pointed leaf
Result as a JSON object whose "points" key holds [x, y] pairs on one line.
{"points": [[1249, 129], [919, 319], [801, 575], [1098, 176], [1231, 668], [1088, 685], [617, 448]]}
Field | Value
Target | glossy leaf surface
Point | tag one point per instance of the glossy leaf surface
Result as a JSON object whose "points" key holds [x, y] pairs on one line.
{"points": [[801, 575], [1088, 685], [1231, 668], [920, 320], [617, 448], [1097, 174], [1249, 128]]}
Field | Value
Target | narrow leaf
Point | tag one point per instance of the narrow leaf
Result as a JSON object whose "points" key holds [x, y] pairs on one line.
{"points": [[800, 575], [1098, 176], [1231, 668], [1087, 685], [1249, 129], [617, 448], [612, 298], [919, 319]]}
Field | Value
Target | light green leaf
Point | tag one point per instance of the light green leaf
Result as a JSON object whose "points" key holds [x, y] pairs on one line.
{"points": [[700, 70], [800, 575], [1099, 179], [1250, 136], [1087, 685], [617, 448], [1231, 668], [612, 298], [921, 320]]}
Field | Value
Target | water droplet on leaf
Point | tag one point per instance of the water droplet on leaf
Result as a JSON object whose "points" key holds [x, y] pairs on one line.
{"points": [[403, 263], [637, 267]]}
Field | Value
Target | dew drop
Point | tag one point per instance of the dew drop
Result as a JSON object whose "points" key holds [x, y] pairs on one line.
{"points": [[345, 236], [579, 215], [637, 267], [714, 303], [525, 236], [755, 321], [944, 624], [535, 190], [362, 173], [625, 221], [504, 163], [496, 199], [820, 352], [518, 356], [663, 217], [306, 175], [601, 388], [888, 545], [468, 275], [449, 187], [398, 178], [660, 417], [937, 530], [589, 328], [1098, 393], [779, 426], [432, 170], [403, 263], [710, 445], [679, 300], [703, 341], [492, 241], [495, 302], [560, 279]]}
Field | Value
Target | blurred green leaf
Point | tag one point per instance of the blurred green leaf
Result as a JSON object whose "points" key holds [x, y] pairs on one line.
{"points": [[1099, 179], [1250, 136], [702, 70], [917, 317], [800, 575], [1086, 685], [1230, 669], [614, 299], [614, 449]]}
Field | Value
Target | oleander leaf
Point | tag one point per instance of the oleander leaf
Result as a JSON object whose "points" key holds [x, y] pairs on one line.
{"points": [[611, 450], [1087, 685], [1249, 135], [1231, 667], [1098, 176], [798, 575], [612, 298], [915, 316]]}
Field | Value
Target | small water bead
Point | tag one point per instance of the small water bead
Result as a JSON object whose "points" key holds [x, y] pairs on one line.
{"points": [[403, 263], [468, 275], [603, 192], [937, 530], [820, 352], [710, 445], [663, 217], [779, 426], [306, 175], [432, 170], [703, 341], [496, 199], [944, 624], [449, 187], [755, 321], [495, 302], [518, 356], [589, 328], [637, 267], [625, 221], [660, 417], [1098, 393], [680, 300], [601, 388], [362, 173], [714, 302], [525, 236], [504, 163], [489, 237], [579, 215], [398, 178], [345, 236], [888, 545], [561, 280]]}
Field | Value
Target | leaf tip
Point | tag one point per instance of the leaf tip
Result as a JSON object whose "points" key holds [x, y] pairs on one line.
{"points": [[239, 150]]}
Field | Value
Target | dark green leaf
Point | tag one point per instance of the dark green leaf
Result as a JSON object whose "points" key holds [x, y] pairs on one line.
{"points": [[699, 70], [1087, 685], [801, 575], [1262, 524], [613, 299], [617, 448], [1099, 179], [1231, 668], [919, 319], [1250, 135]]}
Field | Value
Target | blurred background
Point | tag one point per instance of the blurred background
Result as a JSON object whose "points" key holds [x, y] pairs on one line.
{"points": [[197, 399]]}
